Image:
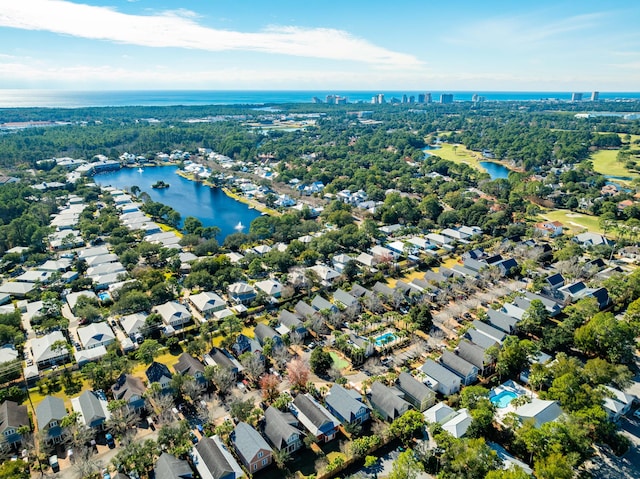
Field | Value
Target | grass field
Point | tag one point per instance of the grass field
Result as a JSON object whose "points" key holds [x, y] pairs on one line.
{"points": [[605, 162], [459, 155], [576, 222], [338, 362]]}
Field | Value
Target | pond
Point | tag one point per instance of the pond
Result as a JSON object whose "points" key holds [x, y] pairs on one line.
{"points": [[189, 198], [495, 170]]}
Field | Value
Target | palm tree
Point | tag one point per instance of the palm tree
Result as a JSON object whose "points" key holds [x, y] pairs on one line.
{"points": [[281, 457]]}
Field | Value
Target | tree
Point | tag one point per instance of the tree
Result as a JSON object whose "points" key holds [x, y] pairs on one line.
{"points": [[514, 472], [420, 315], [137, 456], [14, 470], [406, 426], [554, 466], [534, 318], [320, 361], [241, 410], [175, 439], [406, 466], [513, 355], [222, 378], [269, 384], [148, 351], [122, 419], [298, 373], [253, 366], [607, 337]]}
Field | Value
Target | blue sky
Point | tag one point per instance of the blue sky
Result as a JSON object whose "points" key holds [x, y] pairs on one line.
{"points": [[484, 45]]}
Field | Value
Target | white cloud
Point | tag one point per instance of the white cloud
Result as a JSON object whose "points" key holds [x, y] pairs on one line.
{"points": [[178, 28]]}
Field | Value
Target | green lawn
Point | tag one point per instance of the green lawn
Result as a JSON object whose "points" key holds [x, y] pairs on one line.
{"points": [[576, 222], [459, 155], [338, 362], [605, 162]]}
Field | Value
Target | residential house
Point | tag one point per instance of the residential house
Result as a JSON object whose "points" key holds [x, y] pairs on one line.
{"points": [[479, 339], [292, 323], [489, 331], [587, 239], [213, 460], [340, 261], [367, 345], [245, 343], [440, 413], [458, 424], [304, 310], [49, 415], [207, 303], [241, 293], [190, 366], [92, 408], [502, 321], [131, 389], [263, 331], [12, 417], [555, 281], [415, 392], [343, 298], [219, 357], [315, 417], [475, 355], [326, 274], [539, 410], [43, 353], [173, 314], [617, 403], [321, 304], [440, 378], [134, 325], [454, 363], [169, 466], [281, 431], [159, 373], [251, 448], [550, 229], [96, 334], [387, 401], [271, 287], [347, 405]]}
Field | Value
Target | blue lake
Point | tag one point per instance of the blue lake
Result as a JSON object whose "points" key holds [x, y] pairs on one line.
{"points": [[189, 198], [495, 170]]}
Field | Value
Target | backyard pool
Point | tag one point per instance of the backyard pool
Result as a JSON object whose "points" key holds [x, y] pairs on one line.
{"points": [[503, 398], [104, 296], [385, 338]]}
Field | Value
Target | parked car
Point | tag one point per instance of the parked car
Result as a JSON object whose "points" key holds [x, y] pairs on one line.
{"points": [[110, 441]]}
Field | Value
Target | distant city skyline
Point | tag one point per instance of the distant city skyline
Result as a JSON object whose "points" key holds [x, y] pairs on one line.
{"points": [[360, 45]]}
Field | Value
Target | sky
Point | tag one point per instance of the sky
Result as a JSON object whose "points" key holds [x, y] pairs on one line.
{"points": [[416, 45]]}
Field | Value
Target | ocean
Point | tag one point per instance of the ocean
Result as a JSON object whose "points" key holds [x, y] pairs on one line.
{"points": [[78, 99]]}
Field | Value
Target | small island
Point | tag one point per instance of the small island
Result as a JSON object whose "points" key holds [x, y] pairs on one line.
{"points": [[160, 184]]}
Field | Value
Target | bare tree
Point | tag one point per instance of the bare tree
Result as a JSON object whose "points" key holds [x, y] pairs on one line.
{"points": [[192, 388], [222, 378], [253, 366], [86, 464], [281, 356]]}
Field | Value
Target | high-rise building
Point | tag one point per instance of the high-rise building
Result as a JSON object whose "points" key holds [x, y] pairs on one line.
{"points": [[427, 97], [421, 98], [576, 97], [412, 99], [374, 100], [474, 98], [404, 99], [595, 95], [380, 98], [315, 99], [330, 99], [446, 98]]}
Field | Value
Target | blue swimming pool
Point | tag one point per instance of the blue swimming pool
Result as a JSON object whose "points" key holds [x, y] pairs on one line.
{"points": [[385, 338], [104, 296], [503, 399]]}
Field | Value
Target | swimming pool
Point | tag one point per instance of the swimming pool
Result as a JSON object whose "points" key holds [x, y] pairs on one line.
{"points": [[385, 338], [104, 296], [503, 398]]}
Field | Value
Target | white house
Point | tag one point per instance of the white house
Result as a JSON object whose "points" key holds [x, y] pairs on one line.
{"points": [[272, 287], [173, 314], [96, 334], [207, 303]]}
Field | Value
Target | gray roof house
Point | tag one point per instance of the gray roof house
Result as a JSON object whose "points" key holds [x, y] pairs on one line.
{"points": [[475, 355], [467, 371], [214, 461], [342, 297], [502, 321], [191, 366], [263, 331], [43, 354], [540, 411], [489, 331], [252, 449], [415, 392], [479, 339], [320, 304], [207, 303], [292, 322], [440, 378], [92, 408], [12, 417], [131, 389], [49, 414], [241, 293], [315, 417], [387, 401], [347, 405], [219, 357], [281, 431], [170, 467], [173, 314], [96, 334], [304, 309]]}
